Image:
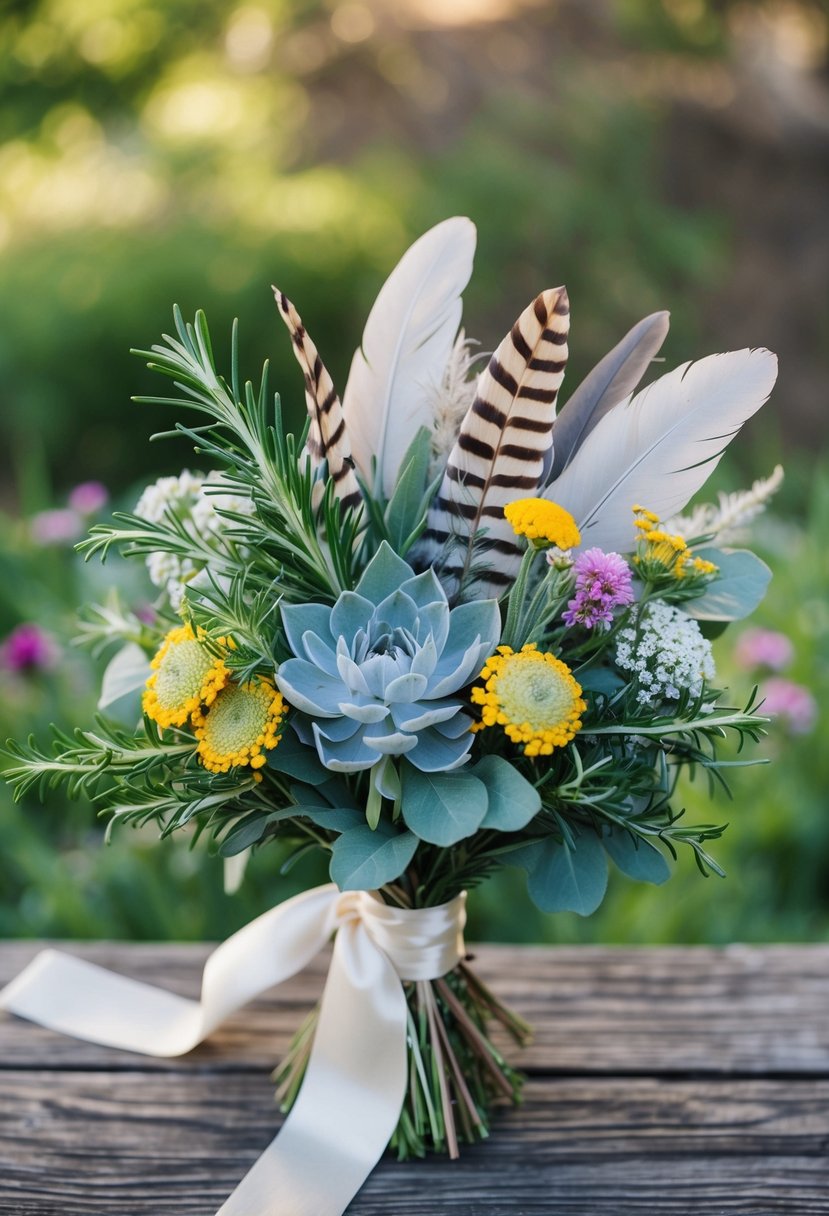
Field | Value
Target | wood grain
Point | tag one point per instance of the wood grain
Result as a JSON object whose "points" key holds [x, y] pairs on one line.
{"points": [[760, 1010], [138, 1143], [670, 1081]]}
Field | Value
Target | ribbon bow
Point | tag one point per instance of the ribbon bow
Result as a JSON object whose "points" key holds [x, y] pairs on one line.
{"points": [[356, 1076]]}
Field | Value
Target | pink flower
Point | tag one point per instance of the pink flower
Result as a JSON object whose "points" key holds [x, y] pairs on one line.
{"points": [[763, 648], [89, 497], [28, 648], [790, 702], [61, 526], [603, 582]]}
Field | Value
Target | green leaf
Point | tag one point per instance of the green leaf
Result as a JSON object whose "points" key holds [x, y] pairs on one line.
{"points": [[513, 801], [406, 503], [599, 679], [362, 860], [126, 673], [443, 808], [297, 760], [566, 880], [736, 591], [333, 818], [250, 830], [636, 857]]}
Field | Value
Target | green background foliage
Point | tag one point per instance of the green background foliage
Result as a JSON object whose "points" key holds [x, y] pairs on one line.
{"points": [[161, 152]]}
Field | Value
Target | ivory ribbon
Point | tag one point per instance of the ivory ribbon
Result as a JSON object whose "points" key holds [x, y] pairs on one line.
{"points": [[356, 1078]]}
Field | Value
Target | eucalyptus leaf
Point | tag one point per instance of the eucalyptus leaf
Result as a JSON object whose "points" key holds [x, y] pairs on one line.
{"points": [[600, 679], [737, 589], [561, 879], [443, 808], [636, 857], [512, 800], [362, 860], [298, 760], [250, 830], [333, 818]]}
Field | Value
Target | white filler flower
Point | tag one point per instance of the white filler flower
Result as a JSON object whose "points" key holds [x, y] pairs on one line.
{"points": [[665, 652], [196, 503]]}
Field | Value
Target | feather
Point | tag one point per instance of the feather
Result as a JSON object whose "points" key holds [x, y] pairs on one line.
{"points": [[406, 345], [327, 435], [499, 453], [659, 447], [612, 379]]}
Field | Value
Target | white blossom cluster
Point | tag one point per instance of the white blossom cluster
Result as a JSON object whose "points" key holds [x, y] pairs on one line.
{"points": [[198, 509], [665, 652], [726, 519]]}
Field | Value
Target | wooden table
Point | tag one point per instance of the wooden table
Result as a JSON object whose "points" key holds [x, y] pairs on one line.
{"points": [[661, 1081]]}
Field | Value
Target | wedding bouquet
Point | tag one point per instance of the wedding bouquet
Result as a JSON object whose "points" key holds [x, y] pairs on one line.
{"points": [[443, 630]]}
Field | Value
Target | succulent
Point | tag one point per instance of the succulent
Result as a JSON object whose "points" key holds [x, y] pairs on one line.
{"points": [[378, 675]]}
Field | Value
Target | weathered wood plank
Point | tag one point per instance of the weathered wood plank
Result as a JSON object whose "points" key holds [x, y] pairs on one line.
{"points": [[758, 1010], [135, 1143]]}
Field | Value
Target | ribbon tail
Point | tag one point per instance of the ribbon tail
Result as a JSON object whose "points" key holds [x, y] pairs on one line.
{"points": [[77, 998], [350, 1100]]}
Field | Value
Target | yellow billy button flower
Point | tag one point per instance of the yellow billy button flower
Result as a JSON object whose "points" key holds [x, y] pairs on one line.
{"points": [[185, 676], [543, 523], [533, 696], [661, 553], [240, 726]]}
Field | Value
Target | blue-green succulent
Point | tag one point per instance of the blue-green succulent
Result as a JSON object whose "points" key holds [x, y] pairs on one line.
{"points": [[378, 674]]}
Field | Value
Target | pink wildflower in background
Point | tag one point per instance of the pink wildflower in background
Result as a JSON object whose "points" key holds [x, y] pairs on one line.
{"points": [[603, 582], [790, 702], [60, 526], [89, 497], [28, 648], [763, 648]]}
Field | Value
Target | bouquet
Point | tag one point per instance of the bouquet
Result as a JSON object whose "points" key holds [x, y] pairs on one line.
{"points": [[445, 629]]}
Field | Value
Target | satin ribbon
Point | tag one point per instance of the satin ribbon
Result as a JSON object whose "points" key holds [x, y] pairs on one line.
{"points": [[356, 1077]]}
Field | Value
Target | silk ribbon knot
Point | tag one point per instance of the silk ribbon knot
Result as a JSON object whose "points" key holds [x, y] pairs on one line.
{"points": [[355, 1082]]}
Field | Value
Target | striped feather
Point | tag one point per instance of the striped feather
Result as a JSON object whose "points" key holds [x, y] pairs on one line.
{"points": [[327, 436], [500, 452]]}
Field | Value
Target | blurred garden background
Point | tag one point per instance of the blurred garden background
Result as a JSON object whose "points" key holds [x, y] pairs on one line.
{"points": [[649, 153]]}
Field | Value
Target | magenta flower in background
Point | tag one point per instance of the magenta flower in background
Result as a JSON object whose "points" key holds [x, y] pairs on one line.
{"points": [[61, 526], [790, 702], [763, 648], [28, 648], [603, 582], [89, 497]]}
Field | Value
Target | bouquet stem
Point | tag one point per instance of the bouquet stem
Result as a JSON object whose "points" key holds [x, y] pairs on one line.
{"points": [[457, 1075]]}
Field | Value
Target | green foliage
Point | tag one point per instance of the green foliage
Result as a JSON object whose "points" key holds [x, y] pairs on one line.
{"points": [[737, 590], [364, 859], [443, 808], [566, 876]]}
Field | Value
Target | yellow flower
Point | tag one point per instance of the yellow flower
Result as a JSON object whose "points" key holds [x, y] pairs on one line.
{"points": [[533, 696], [665, 553], [185, 676], [242, 723], [544, 522]]}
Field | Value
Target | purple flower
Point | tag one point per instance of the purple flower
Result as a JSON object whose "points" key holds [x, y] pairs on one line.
{"points": [[89, 497], [790, 702], [763, 648], [28, 648], [603, 582], [57, 527]]}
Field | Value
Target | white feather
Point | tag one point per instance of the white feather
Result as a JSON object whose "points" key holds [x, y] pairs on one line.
{"points": [[657, 448], [406, 346]]}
